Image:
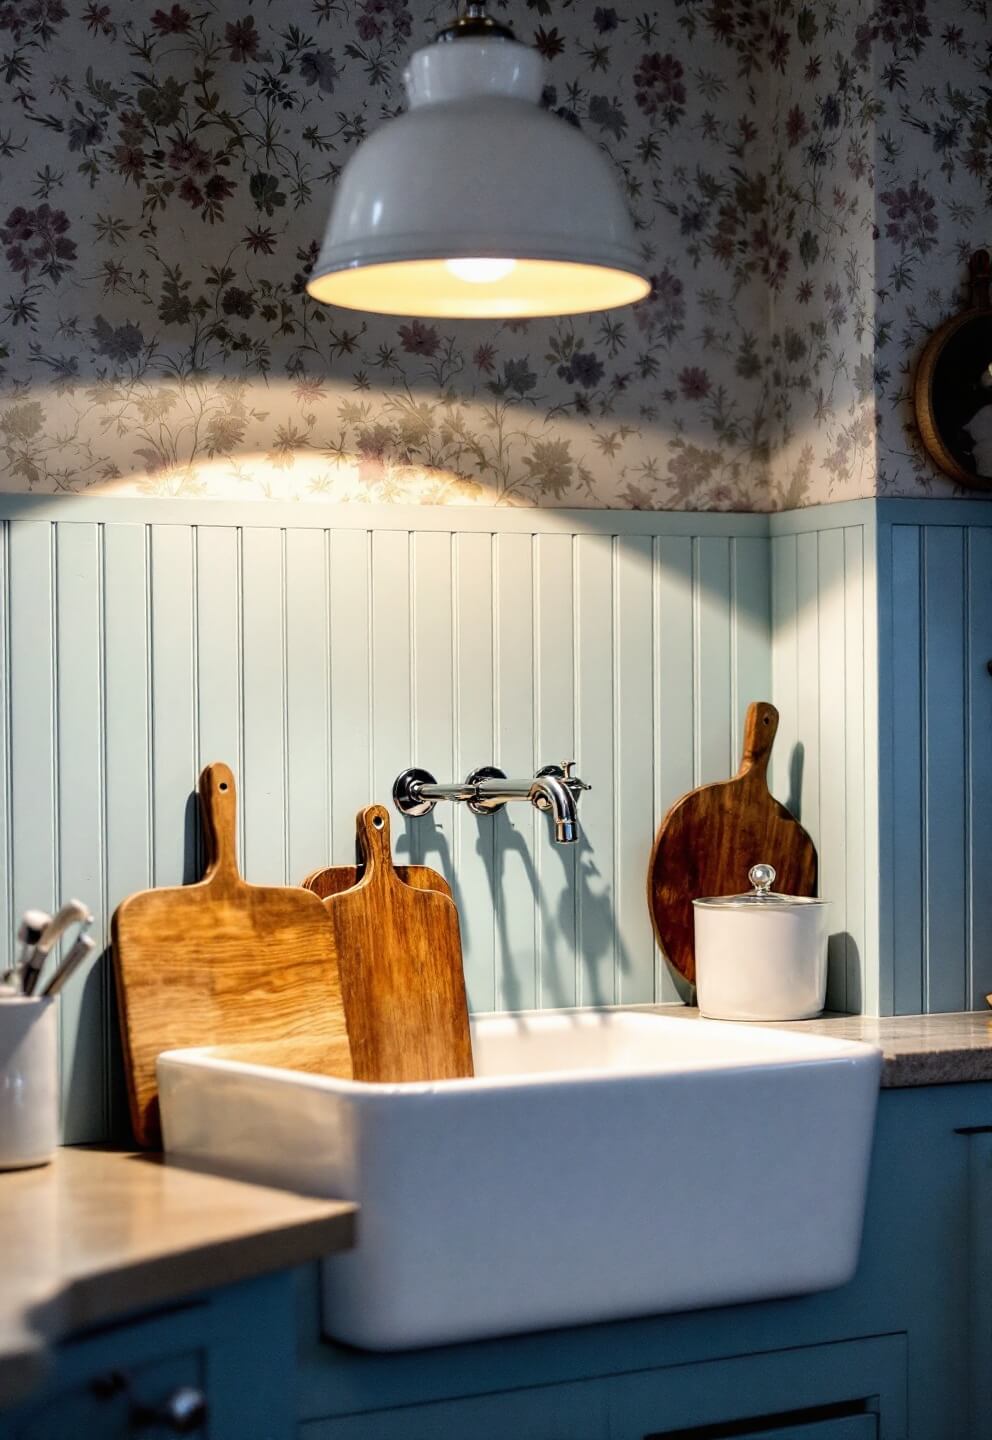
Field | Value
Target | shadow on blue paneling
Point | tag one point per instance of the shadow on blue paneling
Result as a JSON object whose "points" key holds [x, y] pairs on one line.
{"points": [[794, 799], [194, 854]]}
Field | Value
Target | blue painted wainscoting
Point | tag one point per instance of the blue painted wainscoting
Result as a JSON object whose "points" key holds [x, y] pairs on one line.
{"points": [[320, 650], [935, 800]]}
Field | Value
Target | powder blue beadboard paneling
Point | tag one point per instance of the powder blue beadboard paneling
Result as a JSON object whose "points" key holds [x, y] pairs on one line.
{"points": [[320, 651], [935, 641], [825, 764]]}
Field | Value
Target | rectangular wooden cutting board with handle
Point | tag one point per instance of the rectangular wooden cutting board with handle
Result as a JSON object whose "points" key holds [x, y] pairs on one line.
{"points": [[222, 962], [712, 836], [400, 958]]}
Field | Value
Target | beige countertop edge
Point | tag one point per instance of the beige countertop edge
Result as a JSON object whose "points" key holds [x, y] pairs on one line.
{"points": [[950, 1049], [101, 1232]]}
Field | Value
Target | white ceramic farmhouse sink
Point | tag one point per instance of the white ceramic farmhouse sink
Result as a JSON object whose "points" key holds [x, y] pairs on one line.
{"points": [[601, 1165]]}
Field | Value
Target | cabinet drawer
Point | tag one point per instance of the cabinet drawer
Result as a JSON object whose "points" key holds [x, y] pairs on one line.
{"points": [[774, 1390], [849, 1427]]}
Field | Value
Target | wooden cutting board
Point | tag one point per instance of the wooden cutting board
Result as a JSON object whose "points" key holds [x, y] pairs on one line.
{"points": [[400, 958], [220, 962], [710, 838], [335, 878]]}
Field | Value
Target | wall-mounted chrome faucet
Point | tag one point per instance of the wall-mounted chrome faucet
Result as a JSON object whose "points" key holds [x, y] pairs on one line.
{"points": [[487, 790]]}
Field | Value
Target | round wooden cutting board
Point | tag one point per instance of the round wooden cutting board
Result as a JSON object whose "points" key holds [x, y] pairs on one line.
{"points": [[712, 836]]}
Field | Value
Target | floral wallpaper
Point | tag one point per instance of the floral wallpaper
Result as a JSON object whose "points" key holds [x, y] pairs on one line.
{"points": [[805, 181], [881, 187]]}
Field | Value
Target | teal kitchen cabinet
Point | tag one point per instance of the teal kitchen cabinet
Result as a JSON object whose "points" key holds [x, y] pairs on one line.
{"points": [[217, 1368], [904, 1350]]}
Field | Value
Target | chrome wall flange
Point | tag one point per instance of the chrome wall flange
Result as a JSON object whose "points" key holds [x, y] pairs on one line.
{"points": [[480, 806], [406, 792]]}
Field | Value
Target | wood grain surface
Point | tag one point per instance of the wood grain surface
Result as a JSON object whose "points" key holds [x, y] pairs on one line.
{"points": [[219, 962], [333, 879], [712, 836], [400, 960]]}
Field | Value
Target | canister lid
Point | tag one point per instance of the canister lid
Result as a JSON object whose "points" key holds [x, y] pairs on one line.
{"points": [[762, 877]]}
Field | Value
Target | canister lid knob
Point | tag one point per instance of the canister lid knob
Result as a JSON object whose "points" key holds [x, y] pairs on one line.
{"points": [[762, 877]]}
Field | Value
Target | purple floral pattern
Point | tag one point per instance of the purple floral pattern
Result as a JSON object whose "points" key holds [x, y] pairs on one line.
{"points": [[806, 181]]}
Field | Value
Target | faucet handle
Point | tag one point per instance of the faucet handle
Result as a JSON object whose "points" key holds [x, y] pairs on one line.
{"points": [[564, 773], [573, 780]]}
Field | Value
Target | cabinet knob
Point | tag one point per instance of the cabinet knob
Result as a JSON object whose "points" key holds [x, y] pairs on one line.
{"points": [[183, 1413]]}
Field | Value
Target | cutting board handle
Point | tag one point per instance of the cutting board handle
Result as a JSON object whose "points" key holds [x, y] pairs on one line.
{"points": [[219, 814], [374, 845], [760, 727]]}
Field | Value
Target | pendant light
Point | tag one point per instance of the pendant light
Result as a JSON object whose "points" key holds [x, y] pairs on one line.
{"points": [[478, 203]]}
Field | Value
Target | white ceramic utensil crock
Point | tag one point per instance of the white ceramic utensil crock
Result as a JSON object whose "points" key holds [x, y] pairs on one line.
{"points": [[761, 956], [29, 1100]]}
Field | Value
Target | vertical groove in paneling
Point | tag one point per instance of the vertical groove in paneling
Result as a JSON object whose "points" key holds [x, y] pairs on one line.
{"points": [[857, 801], [391, 668], [944, 758], [7, 945], [966, 872], [173, 702], [218, 647], [979, 723], [517, 898], [349, 588], [599, 945], [432, 661], [674, 745], [785, 630], [831, 720], [79, 791], [555, 743], [713, 700], [127, 739], [634, 742], [263, 796], [473, 865], [906, 839], [287, 808], [807, 758], [305, 708]]}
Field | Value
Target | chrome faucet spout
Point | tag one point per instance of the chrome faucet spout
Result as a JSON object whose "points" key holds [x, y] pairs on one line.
{"points": [[548, 792]]}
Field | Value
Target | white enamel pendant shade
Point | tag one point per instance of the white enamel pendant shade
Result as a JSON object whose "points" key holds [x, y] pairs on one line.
{"points": [[477, 203]]}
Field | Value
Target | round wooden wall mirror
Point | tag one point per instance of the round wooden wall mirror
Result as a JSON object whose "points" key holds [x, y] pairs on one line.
{"points": [[953, 389]]}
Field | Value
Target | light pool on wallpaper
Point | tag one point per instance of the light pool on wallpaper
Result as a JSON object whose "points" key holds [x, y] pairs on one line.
{"points": [[313, 439]]}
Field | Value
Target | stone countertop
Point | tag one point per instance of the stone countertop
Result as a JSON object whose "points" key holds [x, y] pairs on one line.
{"points": [[917, 1049], [99, 1232]]}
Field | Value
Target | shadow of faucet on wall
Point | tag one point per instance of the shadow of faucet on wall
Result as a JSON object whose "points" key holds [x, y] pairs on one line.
{"points": [[423, 842], [581, 934]]}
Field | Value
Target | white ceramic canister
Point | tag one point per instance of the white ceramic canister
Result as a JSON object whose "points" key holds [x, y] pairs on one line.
{"points": [[761, 956], [29, 1098]]}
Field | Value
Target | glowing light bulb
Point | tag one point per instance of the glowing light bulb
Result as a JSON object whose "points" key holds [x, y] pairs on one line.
{"points": [[481, 272]]}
